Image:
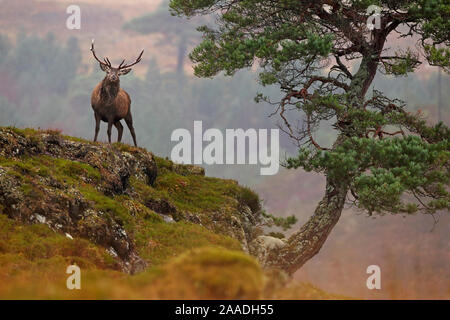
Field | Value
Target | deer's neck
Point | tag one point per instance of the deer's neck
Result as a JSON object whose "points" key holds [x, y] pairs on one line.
{"points": [[109, 90]]}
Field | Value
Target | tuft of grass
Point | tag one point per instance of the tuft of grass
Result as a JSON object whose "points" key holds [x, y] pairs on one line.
{"points": [[111, 206], [164, 164], [61, 169], [284, 223], [55, 132], [209, 273], [159, 241], [77, 139], [21, 168], [25, 132], [32, 244], [75, 169], [197, 193], [31, 191], [278, 235], [123, 147], [248, 197]]}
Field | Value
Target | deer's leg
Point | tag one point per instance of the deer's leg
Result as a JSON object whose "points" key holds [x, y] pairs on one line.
{"points": [[110, 123], [97, 126], [119, 127], [129, 122]]}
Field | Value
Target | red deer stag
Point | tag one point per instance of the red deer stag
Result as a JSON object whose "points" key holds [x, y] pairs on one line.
{"points": [[110, 102]]}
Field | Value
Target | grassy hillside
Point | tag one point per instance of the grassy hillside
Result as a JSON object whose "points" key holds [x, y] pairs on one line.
{"points": [[115, 210]]}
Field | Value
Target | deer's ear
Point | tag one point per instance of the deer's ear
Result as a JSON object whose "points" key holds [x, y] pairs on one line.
{"points": [[123, 72], [104, 67]]}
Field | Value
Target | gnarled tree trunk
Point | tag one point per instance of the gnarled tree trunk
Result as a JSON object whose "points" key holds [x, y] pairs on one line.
{"points": [[306, 242]]}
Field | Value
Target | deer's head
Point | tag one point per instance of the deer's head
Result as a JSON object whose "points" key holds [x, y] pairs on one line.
{"points": [[112, 73]]}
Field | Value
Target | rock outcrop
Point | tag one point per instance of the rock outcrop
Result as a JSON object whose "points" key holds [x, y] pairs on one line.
{"points": [[100, 192], [262, 246], [43, 198]]}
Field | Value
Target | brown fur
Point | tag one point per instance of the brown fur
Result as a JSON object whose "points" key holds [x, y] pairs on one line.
{"points": [[112, 104], [109, 102]]}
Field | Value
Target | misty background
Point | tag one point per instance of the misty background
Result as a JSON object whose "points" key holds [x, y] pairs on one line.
{"points": [[47, 74]]}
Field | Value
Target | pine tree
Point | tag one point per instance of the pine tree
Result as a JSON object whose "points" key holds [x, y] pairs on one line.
{"points": [[324, 57]]}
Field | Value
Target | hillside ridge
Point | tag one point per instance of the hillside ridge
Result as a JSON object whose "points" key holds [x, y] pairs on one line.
{"points": [[99, 192], [139, 226]]}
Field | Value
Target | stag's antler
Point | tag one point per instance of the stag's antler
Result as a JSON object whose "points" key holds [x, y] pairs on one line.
{"points": [[105, 61], [138, 59]]}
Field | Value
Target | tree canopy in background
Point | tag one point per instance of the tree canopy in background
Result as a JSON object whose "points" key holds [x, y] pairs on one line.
{"points": [[177, 32]]}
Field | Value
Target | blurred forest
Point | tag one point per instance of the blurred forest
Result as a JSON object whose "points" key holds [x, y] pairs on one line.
{"points": [[47, 76]]}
